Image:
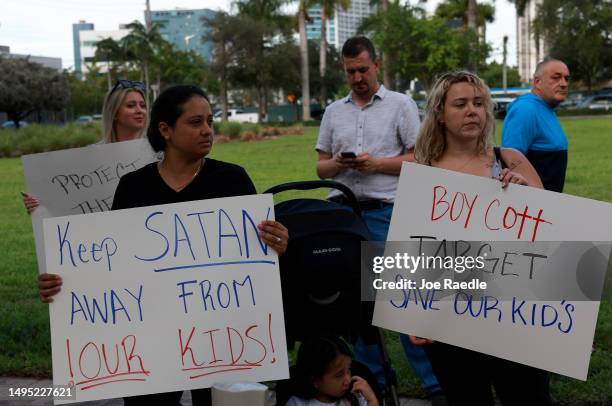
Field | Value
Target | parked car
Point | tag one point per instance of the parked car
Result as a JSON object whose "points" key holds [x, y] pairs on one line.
{"points": [[11, 124], [597, 102], [238, 115], [500, 105], [84, 120], [97, 117]]}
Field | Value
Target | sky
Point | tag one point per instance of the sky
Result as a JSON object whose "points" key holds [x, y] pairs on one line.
{"points": [[44, 27]]}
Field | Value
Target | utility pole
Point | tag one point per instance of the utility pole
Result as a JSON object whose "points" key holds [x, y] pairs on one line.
{"points": [[504, 73]]}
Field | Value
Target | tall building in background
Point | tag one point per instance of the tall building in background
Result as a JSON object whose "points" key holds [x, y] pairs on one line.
{"points": [[347, 22], [342, 25], [76, 41], [184, 29], [86, 48], [529, 51], [313, 26]]}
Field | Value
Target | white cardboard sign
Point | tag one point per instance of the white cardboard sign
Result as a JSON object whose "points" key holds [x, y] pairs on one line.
{"points": [[79, 180], [453, 206], [165, 298]]}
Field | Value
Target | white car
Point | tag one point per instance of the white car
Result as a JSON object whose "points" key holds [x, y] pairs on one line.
{"points": [[238, 115]]}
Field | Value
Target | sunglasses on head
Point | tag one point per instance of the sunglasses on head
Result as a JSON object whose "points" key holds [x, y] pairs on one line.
{"points": [[128, 84]]}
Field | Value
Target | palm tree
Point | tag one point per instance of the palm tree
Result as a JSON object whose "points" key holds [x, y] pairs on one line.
{"points": [[471, 14], [304, 70], [327, 6], [463, 9], [108, 50], [142, 45], [384, 6], [220, 34], [263, 21], [520, 5]]}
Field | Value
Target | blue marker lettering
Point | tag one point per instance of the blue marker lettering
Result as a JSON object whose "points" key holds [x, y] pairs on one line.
{"points": [[62, 241], [202, 228], [74, 311], [115, 299], [138, 299], [262, 245], [236, 284], [95, 308], [184, 293], [222, 235], [177, 221], [158, 233]]}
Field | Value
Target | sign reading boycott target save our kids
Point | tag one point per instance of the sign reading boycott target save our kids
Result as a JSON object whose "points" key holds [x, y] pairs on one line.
{"points": [[79, 180], [165, 298], [444, 206]]}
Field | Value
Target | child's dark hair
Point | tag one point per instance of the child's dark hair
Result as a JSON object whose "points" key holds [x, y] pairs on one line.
{"points": [[314, 357], [167, 108]]}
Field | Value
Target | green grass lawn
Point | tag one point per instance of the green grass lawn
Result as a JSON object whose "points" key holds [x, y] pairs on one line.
{"points": [[24, 327]]}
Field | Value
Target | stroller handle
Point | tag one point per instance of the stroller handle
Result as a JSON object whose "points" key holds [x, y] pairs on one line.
{"points": [[317, 184]]}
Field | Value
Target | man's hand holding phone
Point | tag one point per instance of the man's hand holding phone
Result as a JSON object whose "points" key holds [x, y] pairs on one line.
{"points": [[363, 162], [346, 160]]}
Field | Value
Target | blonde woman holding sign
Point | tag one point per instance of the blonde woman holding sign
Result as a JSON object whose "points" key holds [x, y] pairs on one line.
{"points": [[124, 118], [457, 135]]}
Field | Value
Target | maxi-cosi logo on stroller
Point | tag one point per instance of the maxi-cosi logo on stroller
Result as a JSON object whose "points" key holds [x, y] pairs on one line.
{"points": [[326, 250]]}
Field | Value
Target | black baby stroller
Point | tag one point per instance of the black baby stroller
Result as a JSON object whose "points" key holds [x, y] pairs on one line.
{"points": [[320, 272]]}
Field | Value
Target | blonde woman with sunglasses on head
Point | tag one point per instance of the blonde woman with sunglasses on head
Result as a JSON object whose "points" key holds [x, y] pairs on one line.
{"points": [[124, 118]]}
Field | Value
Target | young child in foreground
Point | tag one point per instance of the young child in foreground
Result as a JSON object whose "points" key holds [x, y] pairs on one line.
{"points": [[323, 374]]}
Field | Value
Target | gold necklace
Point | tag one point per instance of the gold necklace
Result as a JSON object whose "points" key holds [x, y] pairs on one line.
{"points": [[184, 185]]}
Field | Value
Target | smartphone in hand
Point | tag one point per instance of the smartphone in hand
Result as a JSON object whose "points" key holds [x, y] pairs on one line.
{"points": [[348, 155]]}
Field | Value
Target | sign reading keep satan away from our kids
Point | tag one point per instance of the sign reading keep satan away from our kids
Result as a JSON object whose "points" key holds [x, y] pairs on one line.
{"points": [[555, 335], [79, 180], [165, 298]]}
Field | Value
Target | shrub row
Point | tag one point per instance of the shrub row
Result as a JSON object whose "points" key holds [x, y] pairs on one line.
{"points": [[42, 138]]}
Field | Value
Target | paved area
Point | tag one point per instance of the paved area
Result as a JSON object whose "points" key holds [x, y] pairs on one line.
{"points": [[6, 382]]}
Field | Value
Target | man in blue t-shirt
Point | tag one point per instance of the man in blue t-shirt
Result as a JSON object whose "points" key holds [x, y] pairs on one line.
{"points": [[532, 127]]}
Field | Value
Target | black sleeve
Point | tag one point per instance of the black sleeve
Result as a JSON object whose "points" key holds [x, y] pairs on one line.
{"points": [[121, 195], [247, 184]]}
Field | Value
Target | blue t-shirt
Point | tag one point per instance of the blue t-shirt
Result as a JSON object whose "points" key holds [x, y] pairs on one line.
{"points": [[532, 127], [531, 124]]}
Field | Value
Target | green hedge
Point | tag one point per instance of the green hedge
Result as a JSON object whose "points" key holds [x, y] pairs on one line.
{"points": [[42, 138], [583, 112]]}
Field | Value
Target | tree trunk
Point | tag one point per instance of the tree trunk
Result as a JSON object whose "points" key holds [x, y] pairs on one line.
{"points": [[384, 5], [304, 59], [323, 55], [261, 103], [223, 79], [146, 81], [223, 95], [223, 98], [109, 80], [471, 17]]}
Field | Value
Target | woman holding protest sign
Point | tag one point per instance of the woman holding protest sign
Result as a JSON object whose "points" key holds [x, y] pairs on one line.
{"points": [[181, 127], [124, 118], [457, 135]]}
